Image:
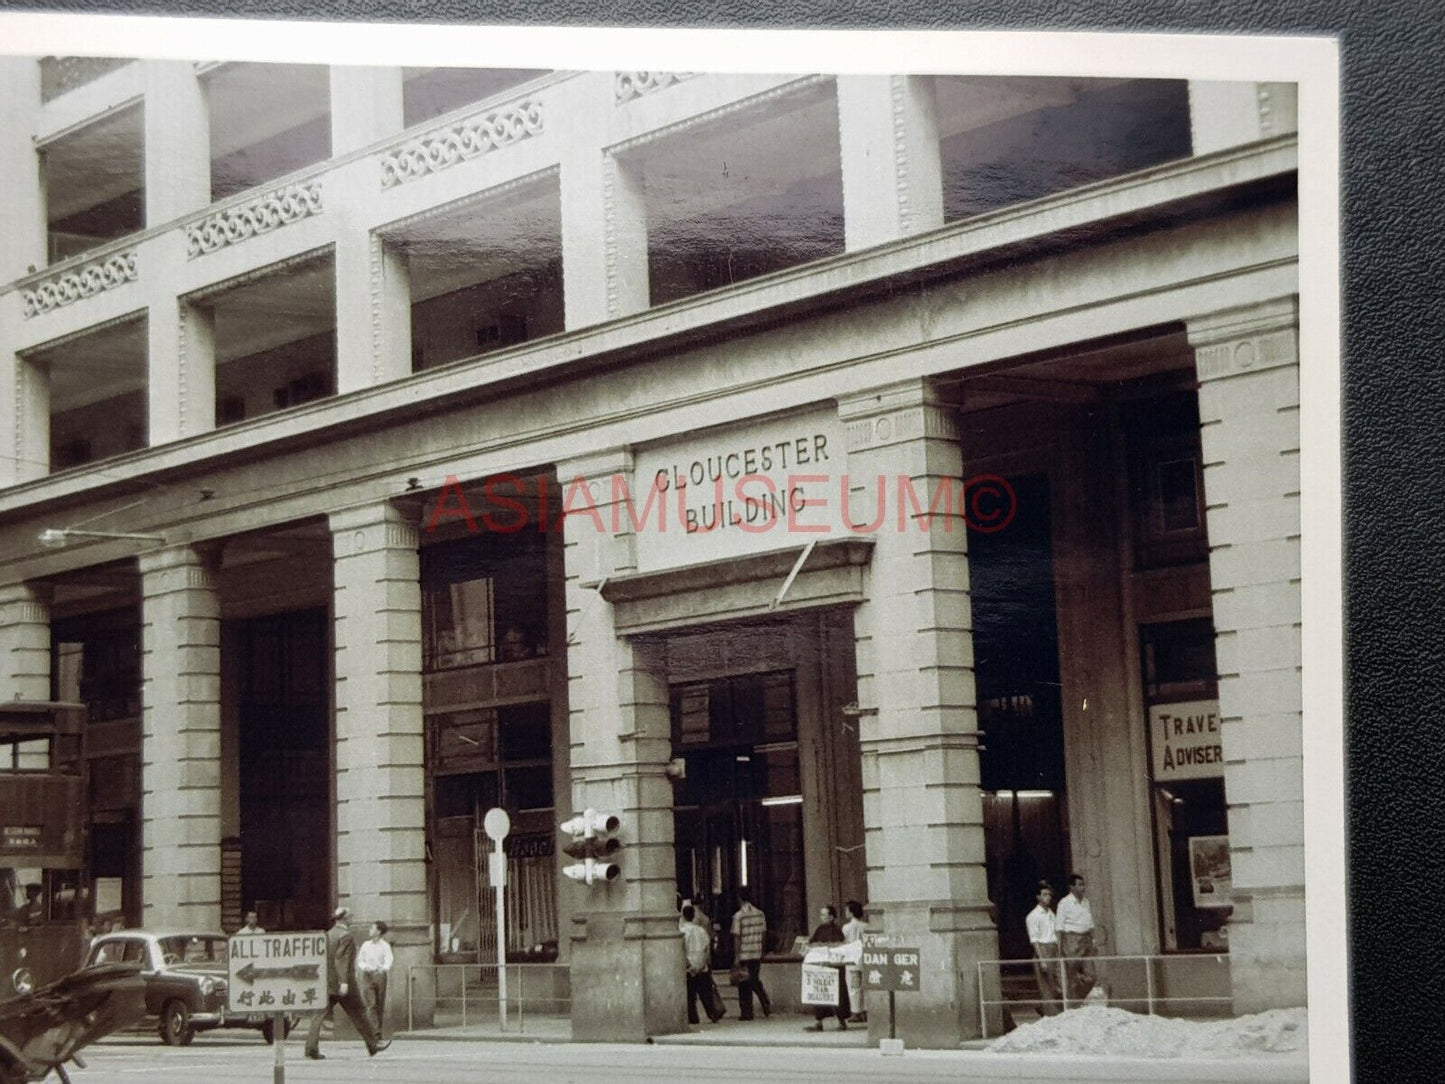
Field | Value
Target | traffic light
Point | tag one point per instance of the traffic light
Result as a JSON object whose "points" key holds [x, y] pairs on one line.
{"points": [[594, 841]]}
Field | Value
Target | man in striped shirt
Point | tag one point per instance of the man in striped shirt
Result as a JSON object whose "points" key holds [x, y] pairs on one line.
{"points": [[750, 927]]}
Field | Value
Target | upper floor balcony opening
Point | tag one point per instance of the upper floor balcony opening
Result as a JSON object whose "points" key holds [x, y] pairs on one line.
{"points": [[95, 388], [94, 179], [267, 120], [745, 195], [60, 74], [483, 276], [1005, 141], [273, 337], [431, 92]]}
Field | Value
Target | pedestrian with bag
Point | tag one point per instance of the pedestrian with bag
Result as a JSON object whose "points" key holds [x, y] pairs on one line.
{"points": [[697, 948], [749, 930]]}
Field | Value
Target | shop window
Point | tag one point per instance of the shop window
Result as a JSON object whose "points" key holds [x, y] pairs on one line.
{"points": [[484, 600], [1187, 770], [1167, 483], [738, 812], [25, 755]]}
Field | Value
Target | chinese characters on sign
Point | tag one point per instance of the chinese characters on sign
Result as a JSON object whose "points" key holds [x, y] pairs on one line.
{"points": [[890, 968], [277, 973]]}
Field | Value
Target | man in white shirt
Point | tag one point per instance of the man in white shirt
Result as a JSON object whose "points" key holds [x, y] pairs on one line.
{"points": [[1075, 922], [1043, 936], [373, 962], [697, 948]]}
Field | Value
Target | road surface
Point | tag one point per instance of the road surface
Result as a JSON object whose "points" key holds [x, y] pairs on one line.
{"points": [[226, 1059]]}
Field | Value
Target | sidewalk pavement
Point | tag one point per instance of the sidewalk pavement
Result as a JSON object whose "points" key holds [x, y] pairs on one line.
{"points": [[970, 1062]]}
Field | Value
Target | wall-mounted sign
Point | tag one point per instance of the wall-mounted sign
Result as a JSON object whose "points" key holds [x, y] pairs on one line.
{"points": [[1209, 871], [1186, 740], [19, 838], [726, 492]]}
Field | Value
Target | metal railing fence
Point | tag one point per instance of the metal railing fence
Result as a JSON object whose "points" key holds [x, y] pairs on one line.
{"points": [[1152, 984], [469, 992]]}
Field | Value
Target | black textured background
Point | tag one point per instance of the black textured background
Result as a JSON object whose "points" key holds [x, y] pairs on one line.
{"points": [[1394, 157]]}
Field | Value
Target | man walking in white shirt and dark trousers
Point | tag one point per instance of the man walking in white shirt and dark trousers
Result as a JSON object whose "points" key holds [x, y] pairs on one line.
{"points": [[373, 963], [1075, 922], [1043, 936]]}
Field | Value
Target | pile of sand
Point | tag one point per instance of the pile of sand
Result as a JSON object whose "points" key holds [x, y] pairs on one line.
{"points": [[1117, 1033]]}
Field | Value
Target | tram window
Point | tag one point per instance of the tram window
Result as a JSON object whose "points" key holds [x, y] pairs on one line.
{"points": [[64, 892]]}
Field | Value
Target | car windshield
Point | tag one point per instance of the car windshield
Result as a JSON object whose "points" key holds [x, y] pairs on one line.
{"points": [[192, 950]]}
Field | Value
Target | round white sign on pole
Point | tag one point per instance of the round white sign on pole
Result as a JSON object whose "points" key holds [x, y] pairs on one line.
{"points": [[496, 824]]}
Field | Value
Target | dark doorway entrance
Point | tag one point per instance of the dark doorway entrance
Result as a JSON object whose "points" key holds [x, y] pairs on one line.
{"points": [[284, 767], [1017, 672], [738, 813]]}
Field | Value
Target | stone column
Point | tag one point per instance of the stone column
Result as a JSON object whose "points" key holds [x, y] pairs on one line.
{"points": [[380, 773], [1248, 366], [922, 807], [177, 141], [180, 368], [181, 740], [373, 309], [24, 642], [604, 218], [892, 171], [1225, 115], [627, 962], [22, 211], [366, 106]]}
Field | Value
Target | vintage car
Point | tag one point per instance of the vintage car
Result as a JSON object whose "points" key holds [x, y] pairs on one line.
{"points": [[185, 980]]}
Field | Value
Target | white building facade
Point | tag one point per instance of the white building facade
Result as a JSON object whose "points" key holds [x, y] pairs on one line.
{"points": [[968, 408]]}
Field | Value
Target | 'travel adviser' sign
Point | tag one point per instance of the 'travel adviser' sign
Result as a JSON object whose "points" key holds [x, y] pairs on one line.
{"points": [[1186, 741]]}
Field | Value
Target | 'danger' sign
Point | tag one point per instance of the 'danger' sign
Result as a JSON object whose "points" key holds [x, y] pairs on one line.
{"points": [[741, 490], [1186, 740]]}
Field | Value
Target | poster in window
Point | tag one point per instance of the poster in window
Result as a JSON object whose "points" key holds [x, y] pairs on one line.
{"points": [[1209, 871]]}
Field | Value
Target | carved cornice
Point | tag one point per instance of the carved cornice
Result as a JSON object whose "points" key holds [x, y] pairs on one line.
{"points": [[632, 85], [1246, 340], [88, 280], [263, 214], [443, 147], [907, 411]]}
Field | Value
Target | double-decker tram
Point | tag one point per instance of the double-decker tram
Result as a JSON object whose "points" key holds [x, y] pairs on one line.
{"points": [[44, 898]]}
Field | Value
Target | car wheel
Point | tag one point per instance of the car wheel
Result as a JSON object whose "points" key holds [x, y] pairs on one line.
{"points": [[175, 1026]]}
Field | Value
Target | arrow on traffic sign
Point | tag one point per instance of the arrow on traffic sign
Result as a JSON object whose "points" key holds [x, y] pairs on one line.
{"points": [[250, 973]]}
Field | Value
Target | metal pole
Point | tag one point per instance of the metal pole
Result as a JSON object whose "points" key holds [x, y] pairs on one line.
{"points": [[982, 1004], [464, 995], [499, 886], [410, 990], [521, 997], [278, 1034], [892, 1028]]}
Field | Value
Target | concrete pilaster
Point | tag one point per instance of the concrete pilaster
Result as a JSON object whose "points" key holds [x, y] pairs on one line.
{"points": [[922, 806], [24, 420], [366, 106], [604, 220], [181, 740], [180, 370], [22, 211], [892, 169], [177, 141], [1225, 115], [380, 775], [24, 642], [373, 310], [1248, 366], [627, 964]]}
